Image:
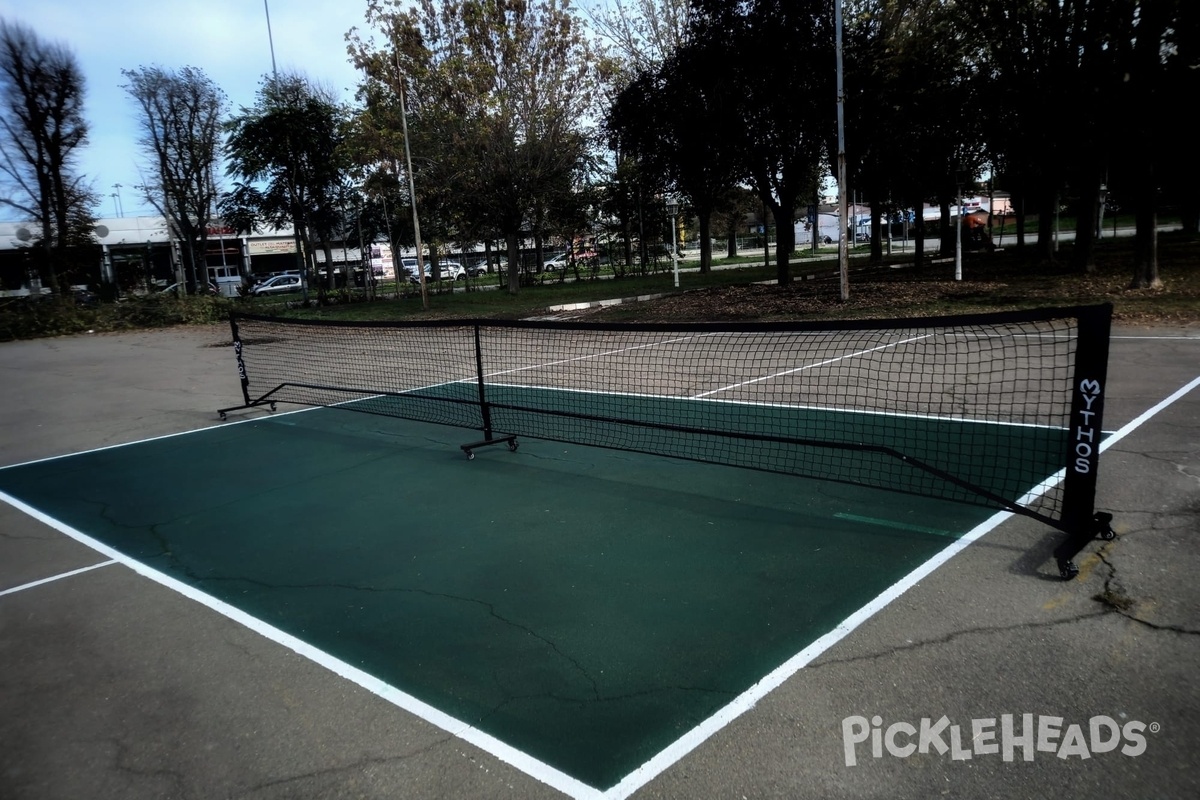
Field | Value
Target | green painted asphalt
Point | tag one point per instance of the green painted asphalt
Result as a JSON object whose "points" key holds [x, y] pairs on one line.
{"points": [[586, 606]]}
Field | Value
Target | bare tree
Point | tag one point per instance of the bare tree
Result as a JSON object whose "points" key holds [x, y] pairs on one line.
{"points": [[180, 140], [641, 33], [41, 128]]}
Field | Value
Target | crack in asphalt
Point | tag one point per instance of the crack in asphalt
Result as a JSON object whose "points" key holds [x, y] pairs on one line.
{"points": [[953, 635], [491, 609], [1117, 601]]}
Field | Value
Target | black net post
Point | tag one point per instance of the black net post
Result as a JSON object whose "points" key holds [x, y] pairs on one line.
{"points": [[484, 412], [241, 362], [1086, 424]]}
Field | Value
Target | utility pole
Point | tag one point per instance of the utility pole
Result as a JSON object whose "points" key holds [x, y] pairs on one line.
{"points": [[958, 237], [270, 40], [412, 189], [843, 212]]}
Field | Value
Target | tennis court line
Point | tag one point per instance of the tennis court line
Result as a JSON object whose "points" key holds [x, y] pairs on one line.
{"points": [[52, 578], [675, 752], [760, 404], [147, 439], [618, 351], [811, 366]]}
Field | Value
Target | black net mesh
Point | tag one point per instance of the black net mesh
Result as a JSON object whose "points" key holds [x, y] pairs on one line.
{"points": [[974, 410]]}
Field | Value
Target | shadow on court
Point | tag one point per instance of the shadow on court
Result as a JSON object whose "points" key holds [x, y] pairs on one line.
{"points": [[584, 606]]}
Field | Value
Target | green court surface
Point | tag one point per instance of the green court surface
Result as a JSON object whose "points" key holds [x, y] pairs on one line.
{"points": [[585, 606]]}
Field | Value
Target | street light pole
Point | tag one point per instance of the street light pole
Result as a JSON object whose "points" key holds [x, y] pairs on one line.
{"points": [[843, 213], [672, 209], [958, 238], [270, 39], [412, 189]]}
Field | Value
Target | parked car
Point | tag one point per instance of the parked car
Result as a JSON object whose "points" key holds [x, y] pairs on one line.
{"points": [[560, 261], [450, 271], [564, 260], [408, 268], [178, 288], [280, 284]]}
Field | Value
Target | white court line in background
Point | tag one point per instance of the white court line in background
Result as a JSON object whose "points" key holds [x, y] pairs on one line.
{"points": [[573, 359], [811, 366], [52, 578]]}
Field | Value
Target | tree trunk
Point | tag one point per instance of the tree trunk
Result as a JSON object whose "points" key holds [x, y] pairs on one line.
{"points": [[1189, 216], [1083, 254], [1019, 217], [627, 244], [1145, 239], [918, 233], [514, 255], [1046, 230], [331, 278], [876, 237], [946, 227], [705, 220], [785, 239]]}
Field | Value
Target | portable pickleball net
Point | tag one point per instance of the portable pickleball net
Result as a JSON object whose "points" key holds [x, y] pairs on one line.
{"points": [[999, 410]]}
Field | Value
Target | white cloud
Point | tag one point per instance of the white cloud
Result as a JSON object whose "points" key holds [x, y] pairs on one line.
{"points": [[225, 38]]}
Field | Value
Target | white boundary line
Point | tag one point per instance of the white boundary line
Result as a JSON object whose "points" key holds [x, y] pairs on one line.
{"points": [[757, 404], [152, 439], [53, 578], [827, 361]]}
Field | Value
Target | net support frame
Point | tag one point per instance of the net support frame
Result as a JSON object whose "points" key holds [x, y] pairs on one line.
{"points": [[1081, 521]]}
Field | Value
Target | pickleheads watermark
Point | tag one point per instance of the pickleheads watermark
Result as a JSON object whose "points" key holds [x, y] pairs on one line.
{"points": [[1027, 734]]}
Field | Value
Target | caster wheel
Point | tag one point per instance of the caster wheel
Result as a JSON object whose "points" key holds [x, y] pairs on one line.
{"points": [[272, 406], [512, 446], [1108, 534], [221, 414], [1068, 570], [470, 456]]}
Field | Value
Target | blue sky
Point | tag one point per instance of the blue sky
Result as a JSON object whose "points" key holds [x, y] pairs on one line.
{"points": [[225, 38]]}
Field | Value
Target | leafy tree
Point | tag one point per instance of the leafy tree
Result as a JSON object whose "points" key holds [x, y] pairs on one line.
{"points": [[788, 104], [180, 141], [1086, 92], [873, 112], [496, 96], [1033, 55], [642, 33], [1158, 65], [286, 154], [1170, 133], [42, 127], [675, 120]]}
